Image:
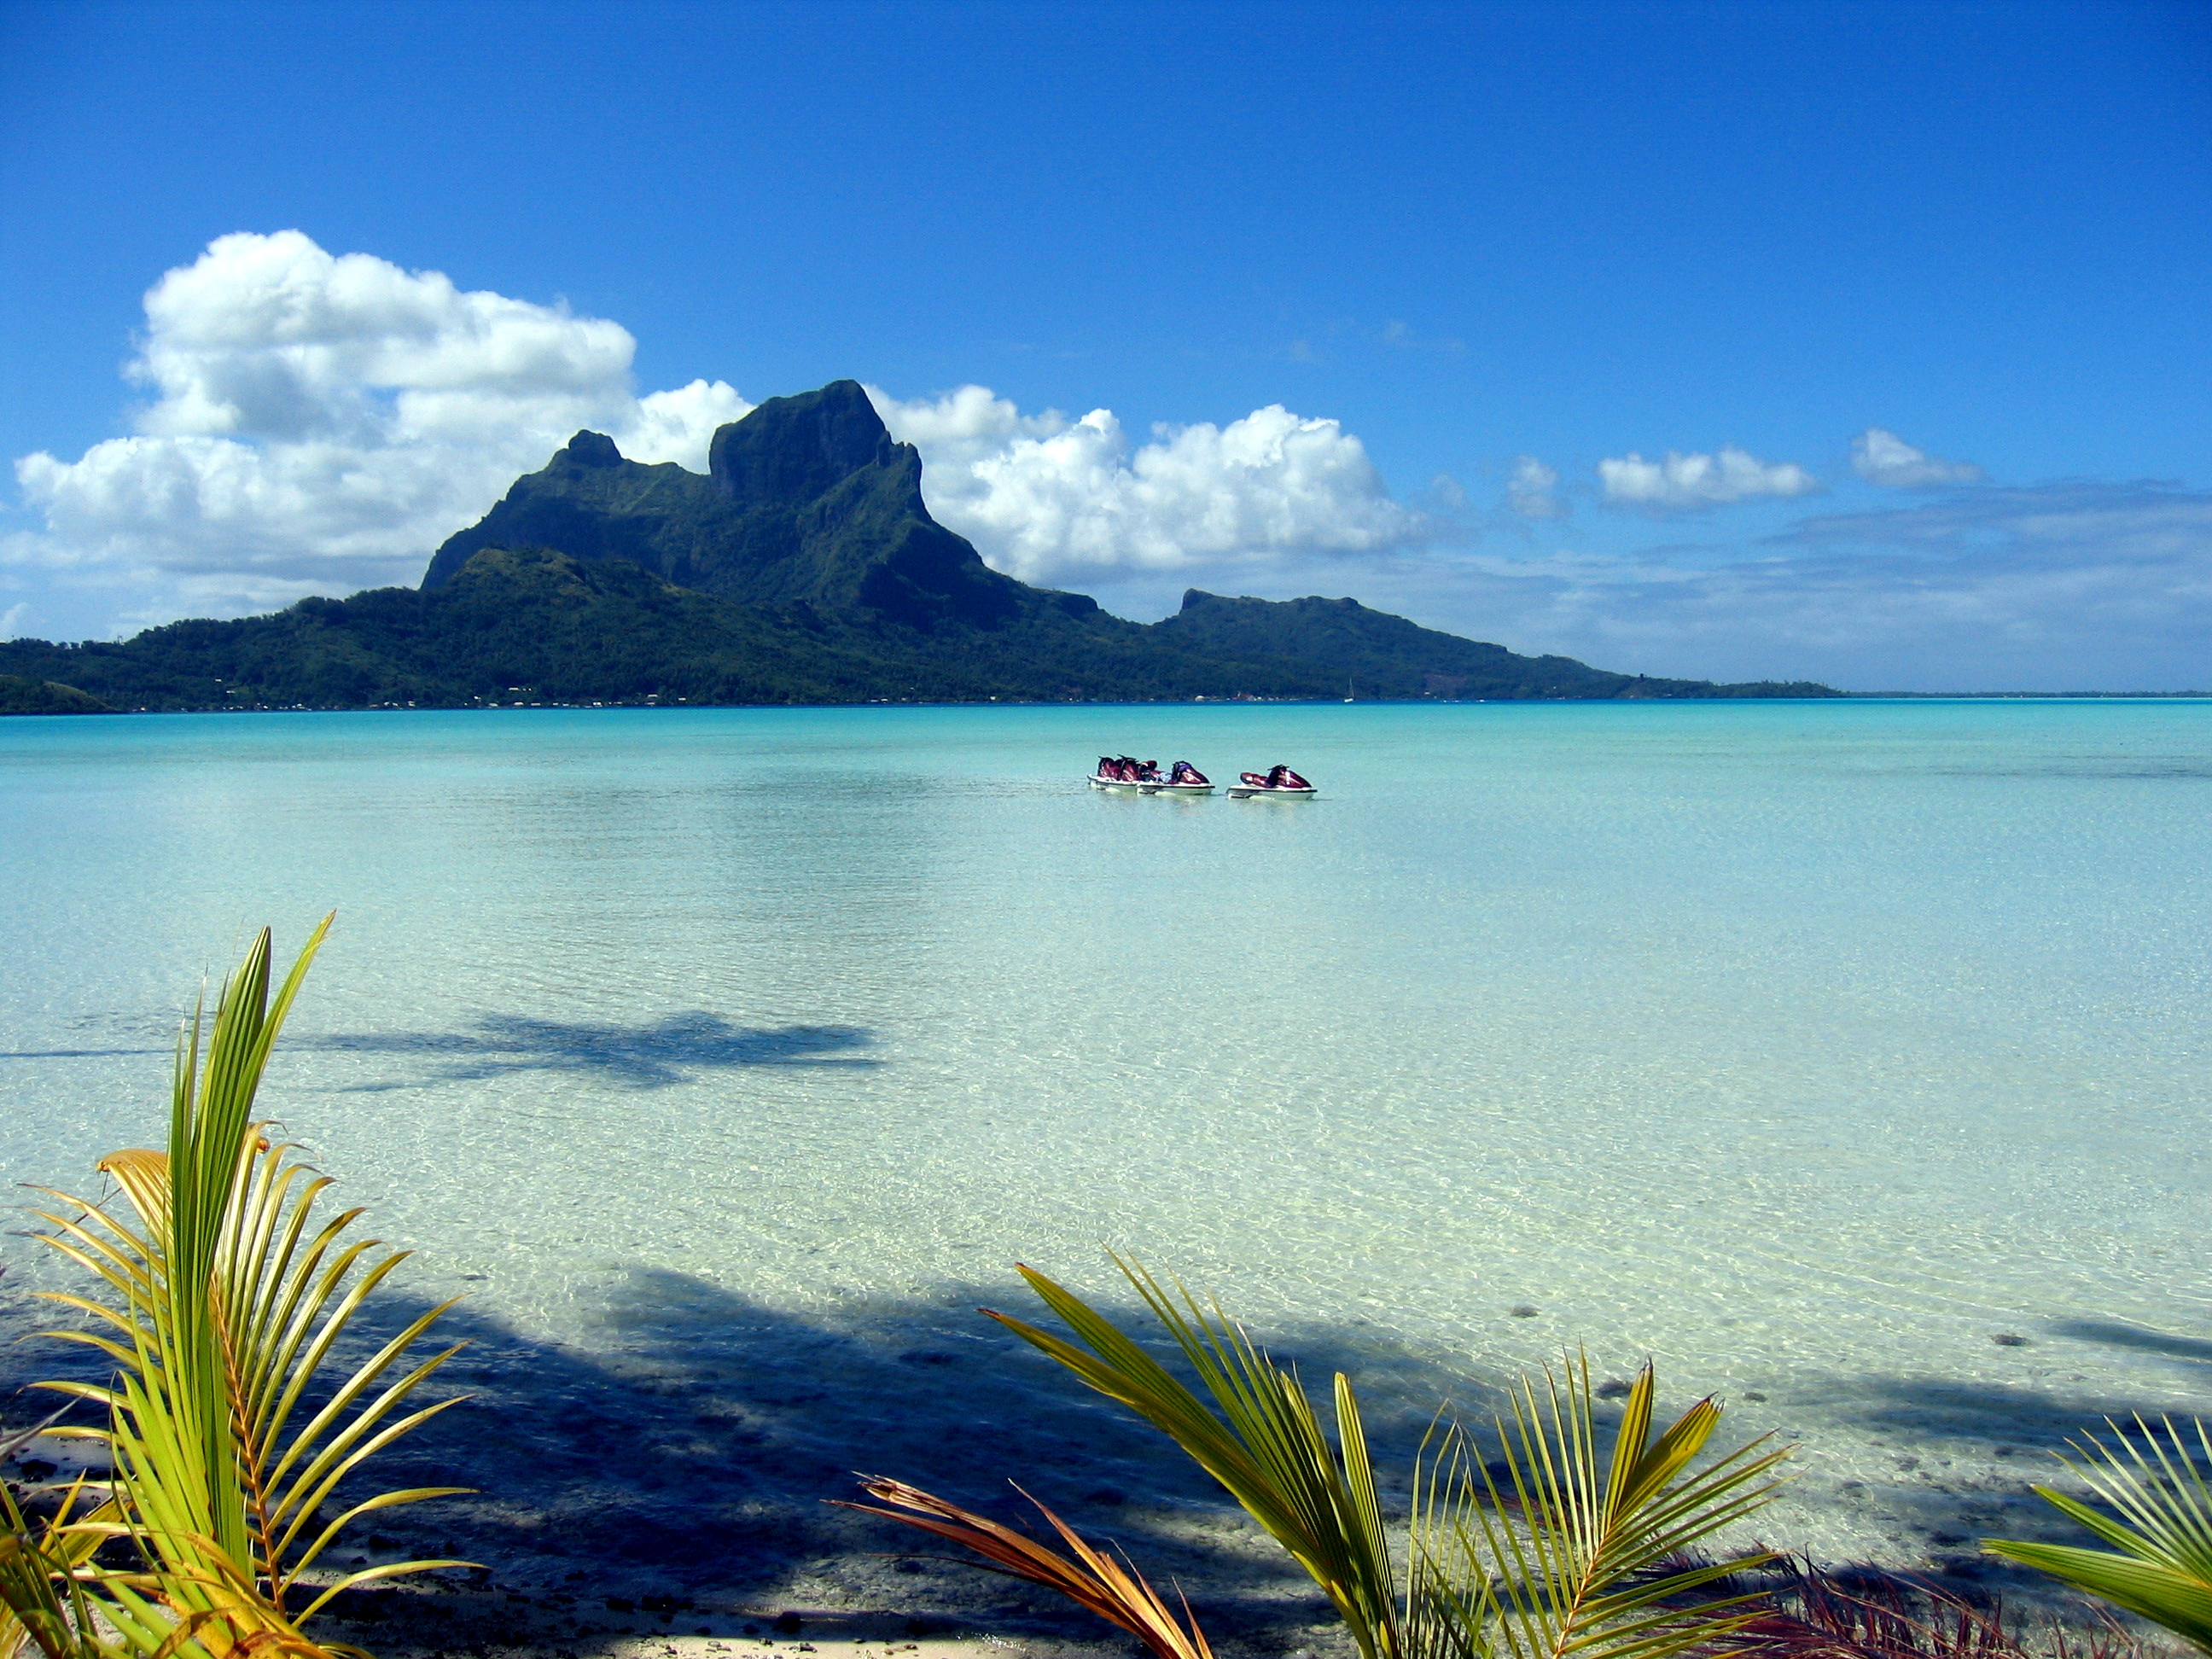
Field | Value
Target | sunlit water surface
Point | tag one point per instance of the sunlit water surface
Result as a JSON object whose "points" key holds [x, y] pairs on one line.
{"points": [[1808, 1049]]}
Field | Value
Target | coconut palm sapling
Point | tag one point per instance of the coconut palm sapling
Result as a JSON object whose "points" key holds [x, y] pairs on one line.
{"points": [[1552, 1550], [223, 1303]]}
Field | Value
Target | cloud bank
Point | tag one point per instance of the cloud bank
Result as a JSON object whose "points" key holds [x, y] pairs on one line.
{"points": [[312, 422], [316, 423], [2074, 586]]}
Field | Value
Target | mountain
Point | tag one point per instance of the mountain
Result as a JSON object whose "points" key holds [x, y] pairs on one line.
{"points": [[538, 625], [803, 567], [534, 622], [1379, 655], [807, 501]]}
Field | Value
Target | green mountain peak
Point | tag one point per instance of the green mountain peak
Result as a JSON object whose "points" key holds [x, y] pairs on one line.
{"points": [[808, 500]]}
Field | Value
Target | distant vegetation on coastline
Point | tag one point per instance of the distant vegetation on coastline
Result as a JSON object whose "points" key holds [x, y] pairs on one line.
{"points": [[19, 695], [803, 568]]}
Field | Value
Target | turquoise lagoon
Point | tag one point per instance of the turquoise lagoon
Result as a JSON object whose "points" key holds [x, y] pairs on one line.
{"points": [[1807, 1047]]}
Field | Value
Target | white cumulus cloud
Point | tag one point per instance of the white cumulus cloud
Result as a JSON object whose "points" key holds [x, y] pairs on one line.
{"points": [[1881, 456], [318, 422], [1690, 483], [1053, 500], [1529, 490]]}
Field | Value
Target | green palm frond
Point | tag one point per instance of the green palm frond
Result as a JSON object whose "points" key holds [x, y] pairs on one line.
{"points": [[233, 1421], [1553, 1550], [1553, 1553], [1261, 1439], [2160, 1564], [43, 1609]]}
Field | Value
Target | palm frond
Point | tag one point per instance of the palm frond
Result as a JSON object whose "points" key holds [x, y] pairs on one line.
{"points": [[1093, 1580], [232, 1424], [191, 1216], [1551, 1553], [1261, 1439], [2160, 1564], [214, 1610], [1553, 1550], [42, 1604]]}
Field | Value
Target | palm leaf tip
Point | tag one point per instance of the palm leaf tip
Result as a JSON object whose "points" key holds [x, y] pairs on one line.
{"points": [[1093, 1579]]}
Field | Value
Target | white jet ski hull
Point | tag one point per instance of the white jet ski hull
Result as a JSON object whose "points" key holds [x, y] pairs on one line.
{"points": [[1152, 789], [1247, 790]]}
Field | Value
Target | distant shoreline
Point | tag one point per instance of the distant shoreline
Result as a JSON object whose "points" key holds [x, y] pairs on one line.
{"points": [[1179, 702]]}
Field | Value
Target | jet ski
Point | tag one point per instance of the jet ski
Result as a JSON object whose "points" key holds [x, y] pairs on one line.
{"points": [[1121, 772], [1277, 783], [1145, 778], [1183, 779]]}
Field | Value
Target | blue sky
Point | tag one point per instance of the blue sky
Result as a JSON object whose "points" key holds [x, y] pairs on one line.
{"points": [[1494, 265]]}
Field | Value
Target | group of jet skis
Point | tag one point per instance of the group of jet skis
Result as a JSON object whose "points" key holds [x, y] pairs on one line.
{"points": [[1145, 778]]}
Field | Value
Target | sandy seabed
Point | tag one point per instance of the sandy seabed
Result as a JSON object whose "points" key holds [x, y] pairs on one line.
{"points": [[647, 1505]]}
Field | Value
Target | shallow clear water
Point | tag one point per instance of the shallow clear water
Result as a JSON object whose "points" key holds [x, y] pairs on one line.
{"points": [[1805, 1047]]}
